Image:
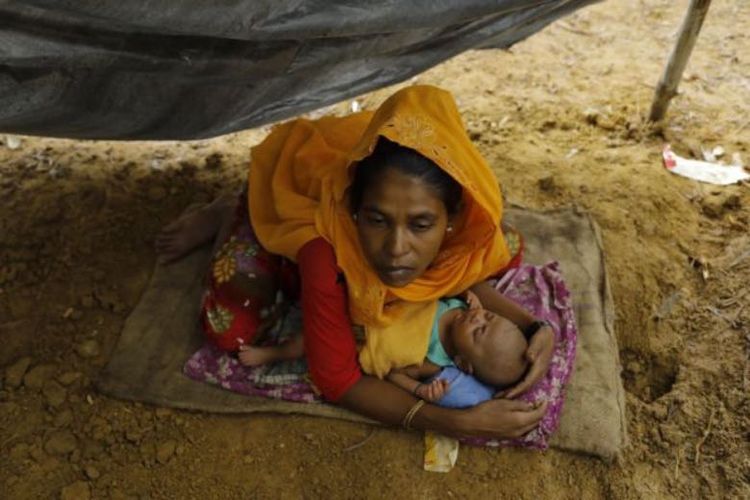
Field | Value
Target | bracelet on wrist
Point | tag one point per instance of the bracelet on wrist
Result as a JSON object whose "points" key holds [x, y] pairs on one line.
{"points": [[406, 422], [534, 327]]}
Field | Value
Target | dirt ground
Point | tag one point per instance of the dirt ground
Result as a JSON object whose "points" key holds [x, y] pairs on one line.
{"points": [[561, 119]]}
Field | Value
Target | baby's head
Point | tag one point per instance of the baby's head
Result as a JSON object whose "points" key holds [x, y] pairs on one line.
{"points": [[489, 346]]}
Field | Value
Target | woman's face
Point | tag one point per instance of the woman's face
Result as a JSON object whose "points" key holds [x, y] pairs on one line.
{"points": [[401, 225]]}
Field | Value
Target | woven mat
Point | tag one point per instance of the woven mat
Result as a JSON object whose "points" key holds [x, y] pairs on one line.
{"points": [[161, 333]]}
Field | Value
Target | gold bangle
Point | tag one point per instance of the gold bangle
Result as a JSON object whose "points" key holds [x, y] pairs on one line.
{"points": [[406, 422]]}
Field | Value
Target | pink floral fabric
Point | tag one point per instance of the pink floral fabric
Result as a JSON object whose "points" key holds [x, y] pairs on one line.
{"points": [[542, 290], [287, 380], [539, 289]]}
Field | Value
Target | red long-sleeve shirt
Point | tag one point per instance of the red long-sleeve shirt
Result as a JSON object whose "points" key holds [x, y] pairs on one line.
{"points": [[329, 341]]}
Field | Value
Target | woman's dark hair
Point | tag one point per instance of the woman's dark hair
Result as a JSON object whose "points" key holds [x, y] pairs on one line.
{"points": [[388, 154]]}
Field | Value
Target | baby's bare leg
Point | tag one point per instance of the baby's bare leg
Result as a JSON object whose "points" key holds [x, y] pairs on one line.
{"points": [[255, 356]]}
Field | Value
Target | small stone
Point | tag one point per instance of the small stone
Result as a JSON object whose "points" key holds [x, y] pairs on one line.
{"points": [[165, 451], [156, 193], [634, 367], [91, 472], [37, 376], [37, 453], [63, 419], [134, 435], [596, 117], [61, 443], [88, 348], [15, 372], [591, 115], [547, 184], [77, 491], [54, 394], [68, 378], [101, 430], [606, 123]]}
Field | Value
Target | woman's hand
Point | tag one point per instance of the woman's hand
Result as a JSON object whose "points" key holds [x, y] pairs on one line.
{"points": [[503, 418], [498, 418], [471, 300], [539, 355]]}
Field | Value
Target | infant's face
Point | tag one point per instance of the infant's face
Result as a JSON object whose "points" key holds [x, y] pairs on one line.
{"points": [[476, 329], [492, 346]]}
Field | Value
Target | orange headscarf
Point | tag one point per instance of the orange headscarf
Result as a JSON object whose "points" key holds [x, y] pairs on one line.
{"points": [[297, 189]]}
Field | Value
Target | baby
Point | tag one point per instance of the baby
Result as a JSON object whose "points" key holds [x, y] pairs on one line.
{"points": [[474, 340], [471, 339]]}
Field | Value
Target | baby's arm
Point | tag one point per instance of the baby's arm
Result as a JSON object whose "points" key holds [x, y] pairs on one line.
{"points": [[408, 379]]}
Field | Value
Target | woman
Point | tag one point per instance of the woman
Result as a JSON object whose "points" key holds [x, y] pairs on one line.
{"points": [[383, 213]]}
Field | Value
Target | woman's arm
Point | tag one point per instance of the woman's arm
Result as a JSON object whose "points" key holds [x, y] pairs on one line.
{"points": [[496, 302], [404, 381], [332, 358], [330, 347], [541, 346], [497, 418]]}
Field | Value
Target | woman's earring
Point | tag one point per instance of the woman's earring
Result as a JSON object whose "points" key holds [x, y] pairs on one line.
{"points": [[449, 229], [354, 216]]}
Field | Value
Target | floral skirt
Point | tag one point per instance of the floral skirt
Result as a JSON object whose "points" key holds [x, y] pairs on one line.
{"points": [[246, 284]]}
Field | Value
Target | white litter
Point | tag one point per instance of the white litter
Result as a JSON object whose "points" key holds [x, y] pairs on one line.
{"points": [[713, 173], [13, 142], [571, 153]]}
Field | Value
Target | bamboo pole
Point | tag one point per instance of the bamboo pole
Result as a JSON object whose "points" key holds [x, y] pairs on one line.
{"points": [[667, 87]]}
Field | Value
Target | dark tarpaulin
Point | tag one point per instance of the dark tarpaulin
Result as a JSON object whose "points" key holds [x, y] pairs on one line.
{"points": [[187, 69]]}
